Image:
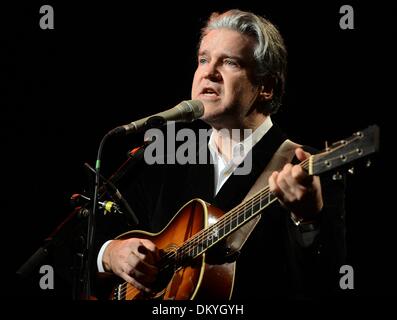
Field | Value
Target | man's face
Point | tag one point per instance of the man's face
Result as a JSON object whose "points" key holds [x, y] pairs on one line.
{"points": [[224, 79]]}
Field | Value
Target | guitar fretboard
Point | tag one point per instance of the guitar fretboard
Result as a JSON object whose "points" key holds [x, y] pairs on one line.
{"points": [[227, 224]]}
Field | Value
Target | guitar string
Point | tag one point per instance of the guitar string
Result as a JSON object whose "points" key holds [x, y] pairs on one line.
{"points": [[229, 217]]}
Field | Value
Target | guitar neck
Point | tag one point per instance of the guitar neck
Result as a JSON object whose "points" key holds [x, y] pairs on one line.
{"points": [[227, 224]]}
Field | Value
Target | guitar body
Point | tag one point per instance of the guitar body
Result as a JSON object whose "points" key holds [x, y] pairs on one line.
{"points": [[199, 279]]}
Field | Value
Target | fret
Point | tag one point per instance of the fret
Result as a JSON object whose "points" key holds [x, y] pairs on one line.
{"points": [[248, 213], [191, 252], [187, 253], [270, 197], [263, 201], [201, 247], [227, 227], [257, 206], [248, 207], [221, 232], [233, 222], [209, 240], [240, 218]]}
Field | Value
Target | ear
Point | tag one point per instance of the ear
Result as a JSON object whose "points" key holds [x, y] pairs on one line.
{"points": [[266, 94], [266, 89]]}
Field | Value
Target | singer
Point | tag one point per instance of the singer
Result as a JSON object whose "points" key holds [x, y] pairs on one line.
{"points": [[295, 248]]}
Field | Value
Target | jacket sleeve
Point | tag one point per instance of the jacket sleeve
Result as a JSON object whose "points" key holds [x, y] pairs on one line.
{"points": [[318, 250]]}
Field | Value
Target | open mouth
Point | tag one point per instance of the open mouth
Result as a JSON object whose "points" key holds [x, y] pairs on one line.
{"points": [[209, 92]]}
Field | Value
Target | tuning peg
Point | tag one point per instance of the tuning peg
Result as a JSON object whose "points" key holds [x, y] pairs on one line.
{"points": [[368, 163], [326, 146], [351, 170], [336, 176]]}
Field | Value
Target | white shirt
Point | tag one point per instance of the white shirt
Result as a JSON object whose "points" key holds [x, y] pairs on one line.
{"points": [[223, 169]]}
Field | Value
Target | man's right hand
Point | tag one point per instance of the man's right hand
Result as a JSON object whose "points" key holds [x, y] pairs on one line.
{"points": [[134, 260]]}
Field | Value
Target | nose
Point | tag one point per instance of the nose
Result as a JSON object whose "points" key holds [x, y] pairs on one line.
{"points": [[211, 72]]}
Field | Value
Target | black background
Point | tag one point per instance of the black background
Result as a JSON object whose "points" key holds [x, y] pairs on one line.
{"points": [[108, 64]]}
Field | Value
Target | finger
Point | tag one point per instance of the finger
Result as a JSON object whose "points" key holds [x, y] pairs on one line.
{"points": [[147, 245], [272, 182], [300, 176], [301, 154], [289, 187], [284, 179], [275, 187], [145, 256], [143, 278], [133, 244], [134, 282], [136, 263], [286, 192], [282, 196]]}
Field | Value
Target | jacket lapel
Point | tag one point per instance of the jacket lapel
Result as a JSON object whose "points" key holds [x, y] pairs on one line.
{"points": [[201, 181], [237, 186]]}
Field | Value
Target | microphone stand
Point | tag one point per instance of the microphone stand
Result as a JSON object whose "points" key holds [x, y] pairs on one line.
{"points": [[154, 121], [87, 264]]}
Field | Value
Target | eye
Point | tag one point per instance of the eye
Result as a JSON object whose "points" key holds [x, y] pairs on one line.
{"points": [[202, 60], [230, 62]]}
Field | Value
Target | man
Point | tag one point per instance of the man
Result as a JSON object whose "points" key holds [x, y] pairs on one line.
{"points": [[240, 79]]}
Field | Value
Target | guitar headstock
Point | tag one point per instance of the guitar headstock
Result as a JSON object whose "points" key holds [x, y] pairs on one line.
{"points": [[343, 152]]}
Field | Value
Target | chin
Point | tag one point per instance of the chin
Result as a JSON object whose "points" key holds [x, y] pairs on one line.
{"points": [[214, 119], [211, 113]]}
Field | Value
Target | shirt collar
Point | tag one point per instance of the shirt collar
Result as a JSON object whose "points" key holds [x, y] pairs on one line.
{"points": [[241, 149]]}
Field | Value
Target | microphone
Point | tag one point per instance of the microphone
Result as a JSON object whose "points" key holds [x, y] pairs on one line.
{"points": [[186, 111]]}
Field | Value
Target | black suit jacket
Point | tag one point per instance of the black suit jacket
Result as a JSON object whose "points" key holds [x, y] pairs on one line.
{"points": [[274, 262]]}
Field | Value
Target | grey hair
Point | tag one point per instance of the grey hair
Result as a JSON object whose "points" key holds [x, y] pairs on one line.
{"points": [[270, 53]]}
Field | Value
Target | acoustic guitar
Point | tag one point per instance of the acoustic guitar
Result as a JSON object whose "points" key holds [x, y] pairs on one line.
{"points": [[185, 270]]}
